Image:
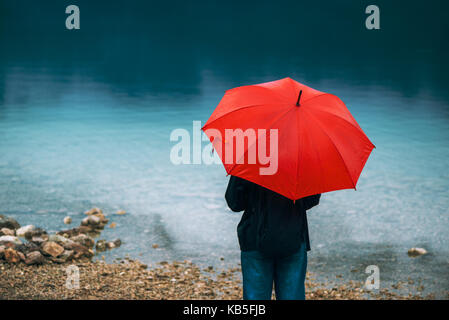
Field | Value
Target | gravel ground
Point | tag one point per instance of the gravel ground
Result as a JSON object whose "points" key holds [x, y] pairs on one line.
{"points": [[130, 279]]}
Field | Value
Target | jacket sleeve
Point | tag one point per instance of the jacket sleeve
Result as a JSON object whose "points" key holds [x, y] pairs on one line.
{"points": [[237, 194], [311, 201]]}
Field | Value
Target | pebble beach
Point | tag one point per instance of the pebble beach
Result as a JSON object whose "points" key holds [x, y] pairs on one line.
{"points": [[69, 265], [132, 280]]}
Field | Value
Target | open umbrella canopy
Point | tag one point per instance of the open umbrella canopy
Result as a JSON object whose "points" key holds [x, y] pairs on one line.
{"points": [[289, 138]]}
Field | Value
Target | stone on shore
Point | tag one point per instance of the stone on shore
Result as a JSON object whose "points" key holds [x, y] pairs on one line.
{"points": [[23, 230], [93, 211], [95, 220], [117, 242], [61, 240], [37, 240], [21, 255], [11, 255], [101, 245], [27, 247], [91, 221], [11, 239], [8, 222], [101, 216], [67, 255], [110, 245], [67, 220], [84, 240], [34, 257], [65, 245], [415, 252], [7, 232], [36, 232], [79, 250], [52, 248], [75, 231]]}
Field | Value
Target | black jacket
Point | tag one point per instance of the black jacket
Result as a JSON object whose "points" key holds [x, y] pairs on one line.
{"points": [[272, 224]]}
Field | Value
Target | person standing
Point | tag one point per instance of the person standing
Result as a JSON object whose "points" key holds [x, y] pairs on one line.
{"points": [[274, 239]]}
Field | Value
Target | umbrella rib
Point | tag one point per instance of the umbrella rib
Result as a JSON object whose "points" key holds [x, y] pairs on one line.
{"points": [[283, 101], [259, 86], [293, 87], [285, 97], [230, 112], [343, 119], [319, 161], [271, 125], [317, 96], [333, 143], [297, 155]]}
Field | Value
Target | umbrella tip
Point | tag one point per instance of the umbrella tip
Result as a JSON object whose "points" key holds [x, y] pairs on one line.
{"points": [[299, 98]]}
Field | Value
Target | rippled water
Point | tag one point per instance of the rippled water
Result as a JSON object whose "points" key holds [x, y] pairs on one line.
{"points": [[89, 125]]}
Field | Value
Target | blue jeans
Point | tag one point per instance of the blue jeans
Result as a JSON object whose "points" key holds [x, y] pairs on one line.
{"points": [[288, 275]]}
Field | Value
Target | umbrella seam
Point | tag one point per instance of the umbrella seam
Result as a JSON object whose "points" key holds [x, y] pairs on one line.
{"points": [[230, 112], [297, 156], [284, 97], [333, 143], [319, 163], [317, 96], [275, 94], [271, 125], [349, 113], [292, 84], [317, 154], [271, 89], [343, 119]]}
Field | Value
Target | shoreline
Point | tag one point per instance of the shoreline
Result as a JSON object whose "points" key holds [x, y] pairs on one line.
{"points": [[34, 265], [132, 280]]}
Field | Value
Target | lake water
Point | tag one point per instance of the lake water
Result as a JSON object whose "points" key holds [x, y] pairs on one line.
{"points": [[86, 116]]}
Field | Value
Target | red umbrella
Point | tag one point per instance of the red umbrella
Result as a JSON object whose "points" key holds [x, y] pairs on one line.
{"points": [[320, 146]]}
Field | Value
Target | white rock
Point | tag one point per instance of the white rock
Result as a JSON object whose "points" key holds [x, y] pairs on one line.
{"points": [[93, 220], [21, 231], [10, 239], [7, 232], [59, 239], [84, 240], [85, 221], [110, 245], [413, 252], [67, 220]]}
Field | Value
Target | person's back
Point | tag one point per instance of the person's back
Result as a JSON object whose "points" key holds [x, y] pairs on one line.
{"points": [[273, 238]]}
